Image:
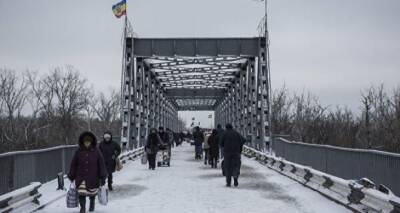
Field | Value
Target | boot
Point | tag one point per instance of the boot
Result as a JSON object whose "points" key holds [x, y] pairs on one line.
{"points": [[110, 182], [228, 181], [91, 206], [235, 182], [82, 203]]}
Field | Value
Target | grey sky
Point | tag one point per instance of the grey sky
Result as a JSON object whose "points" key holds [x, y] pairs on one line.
{"points": [[333, 49]]}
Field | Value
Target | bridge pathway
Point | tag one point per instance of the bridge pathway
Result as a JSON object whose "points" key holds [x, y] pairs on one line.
{"points": [[189, 186]]}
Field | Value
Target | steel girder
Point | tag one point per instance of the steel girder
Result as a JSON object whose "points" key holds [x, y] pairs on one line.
{"points": [[246, 105], [156, 86]]}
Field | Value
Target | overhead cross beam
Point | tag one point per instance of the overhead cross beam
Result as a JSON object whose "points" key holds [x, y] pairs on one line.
{"points": [[195, 47]]}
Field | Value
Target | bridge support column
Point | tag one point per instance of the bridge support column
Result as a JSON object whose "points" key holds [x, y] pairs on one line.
{"points": [[126, 95], [140, 88], [264, 94], [242, 102]]}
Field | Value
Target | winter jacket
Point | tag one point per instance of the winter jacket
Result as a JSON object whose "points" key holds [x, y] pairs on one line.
{"points": [[171, 137], [198, 138], [232, 142], [110, 150], [220, 131], [164, 137], [206, 142], [87, 164], [214, 146], [153, 142]]}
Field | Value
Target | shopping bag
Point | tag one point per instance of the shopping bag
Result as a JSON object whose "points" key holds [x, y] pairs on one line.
{"points": [[144, 158], [103, 195], [72, 196], [118, 165]]}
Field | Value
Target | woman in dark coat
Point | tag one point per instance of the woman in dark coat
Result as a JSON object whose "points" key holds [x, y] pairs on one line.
{"points": [[232, 143], [153, 142], [198, 138], [214, 148], [110, 150], [87, 170]]}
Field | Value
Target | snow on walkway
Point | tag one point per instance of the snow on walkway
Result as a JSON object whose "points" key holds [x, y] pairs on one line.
{"points": [[189, 186]]}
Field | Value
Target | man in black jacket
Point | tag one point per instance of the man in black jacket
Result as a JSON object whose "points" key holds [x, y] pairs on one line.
{"points": [[110, 150], [232, 143]]}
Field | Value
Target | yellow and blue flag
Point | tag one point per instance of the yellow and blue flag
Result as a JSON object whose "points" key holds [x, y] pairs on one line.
{"points": [[119, 9]]}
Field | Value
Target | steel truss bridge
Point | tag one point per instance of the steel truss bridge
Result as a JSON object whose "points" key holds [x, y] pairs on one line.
{"points": [[229, 76]]}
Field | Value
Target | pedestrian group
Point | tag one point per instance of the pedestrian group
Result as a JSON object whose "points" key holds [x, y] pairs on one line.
{"points": [[92, 164]]}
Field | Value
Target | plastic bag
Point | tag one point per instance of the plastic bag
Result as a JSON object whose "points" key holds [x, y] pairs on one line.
{"points": [[118, 165], [144, 158], [103, 195], [72, 197]]}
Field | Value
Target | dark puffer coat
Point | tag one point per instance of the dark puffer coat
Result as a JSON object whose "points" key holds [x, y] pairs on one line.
{"points": [[164, 139], [87, 164], [198, 138], [110, 150], [214, 145], [153, 143], [232, 143]]}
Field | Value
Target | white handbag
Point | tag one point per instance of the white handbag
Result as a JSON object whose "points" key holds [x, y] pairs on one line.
{"points": [[144, 158], [103, 195]]}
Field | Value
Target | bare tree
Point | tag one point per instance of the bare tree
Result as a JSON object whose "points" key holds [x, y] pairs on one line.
{"points": [[282, 111], [70, 90], [107, 108], [13, 97]]}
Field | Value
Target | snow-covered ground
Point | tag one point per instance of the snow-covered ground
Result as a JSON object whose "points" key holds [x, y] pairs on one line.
{"points": [[189, 186]]}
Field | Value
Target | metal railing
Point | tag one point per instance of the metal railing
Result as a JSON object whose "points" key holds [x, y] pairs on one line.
{"points": [[380, 167], [19, 169]]}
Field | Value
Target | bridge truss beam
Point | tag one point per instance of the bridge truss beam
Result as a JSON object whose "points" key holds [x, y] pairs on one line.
{"points": [[228, 76]]}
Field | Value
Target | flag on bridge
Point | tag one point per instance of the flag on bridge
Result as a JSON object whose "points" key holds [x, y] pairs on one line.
{"points": [[119, 9]]}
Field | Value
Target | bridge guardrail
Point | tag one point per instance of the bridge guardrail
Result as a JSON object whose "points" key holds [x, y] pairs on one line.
{"points": [[19, 169], [131, 155], [124, 157], [20, 197], [381, 167], [352, 194]]}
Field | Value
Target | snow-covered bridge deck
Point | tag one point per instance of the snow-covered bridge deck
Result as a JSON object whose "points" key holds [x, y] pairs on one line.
{"points": [[190, 186]]}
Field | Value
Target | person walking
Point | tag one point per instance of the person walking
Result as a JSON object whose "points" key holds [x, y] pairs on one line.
{"points": [[198, 138], [206, 149], [166, 142], [171, 137], [153, 142], [87, 170], [110, 150], [220, 131], [214, 148], [232, 143]]}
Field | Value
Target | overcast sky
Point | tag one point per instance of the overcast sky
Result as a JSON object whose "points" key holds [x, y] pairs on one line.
{"points": [[334, 49]]}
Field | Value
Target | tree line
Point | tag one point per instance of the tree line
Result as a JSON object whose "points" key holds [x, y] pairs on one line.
{"points": [[303, 118], [38, 111]]}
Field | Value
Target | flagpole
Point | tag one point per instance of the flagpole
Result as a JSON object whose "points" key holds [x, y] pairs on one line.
{"points": [[123, 80], [269, 76]]}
